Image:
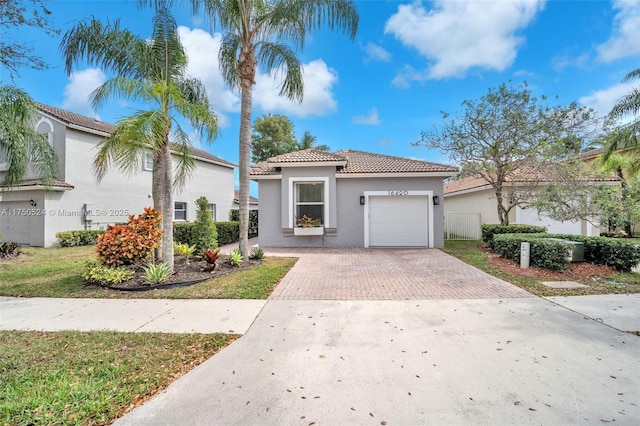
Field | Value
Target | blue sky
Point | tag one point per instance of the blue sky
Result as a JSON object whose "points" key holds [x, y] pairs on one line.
{"points": [[408, 62]]}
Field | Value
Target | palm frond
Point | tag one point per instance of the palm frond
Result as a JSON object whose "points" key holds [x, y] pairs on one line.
{"points": [[280, 57], [185, 165], [228, 59], [190, 101], [122, 87]]}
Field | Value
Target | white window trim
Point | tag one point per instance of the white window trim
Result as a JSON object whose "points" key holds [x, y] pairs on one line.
{"points": [[290, 210], [186, 211], [429, 200], [214, 212], [144, 162]]}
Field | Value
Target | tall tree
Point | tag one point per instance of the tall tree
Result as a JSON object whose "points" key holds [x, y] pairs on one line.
{"points": [[151, 71], [626, 137], [21, 146], [272, 135], [509, 135], [265, 33], [16, 53], [308, 141]]}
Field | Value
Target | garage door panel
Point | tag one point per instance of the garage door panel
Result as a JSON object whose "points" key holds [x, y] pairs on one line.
{"points": [[398, 221], [15, 227]]}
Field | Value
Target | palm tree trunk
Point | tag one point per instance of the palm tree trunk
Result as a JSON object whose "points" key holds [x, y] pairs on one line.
{"points": [[167, 213], [157, 190], [245, 150]]}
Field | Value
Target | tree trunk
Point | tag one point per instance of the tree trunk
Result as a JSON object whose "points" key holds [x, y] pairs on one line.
{"points": [[503, 214], [157, 190], [245, 151], [167, 213]]}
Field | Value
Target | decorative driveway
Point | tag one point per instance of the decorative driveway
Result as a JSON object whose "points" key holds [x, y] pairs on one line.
{"points": [[385, 274]]}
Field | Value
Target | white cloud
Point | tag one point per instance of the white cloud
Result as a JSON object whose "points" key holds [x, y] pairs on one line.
{"points": [[459, 35], [370, 119], [626, 32], [375, 53], [408, 74], [561, 62], [318, 96], [202, 50], [79, 88], [604, 100]]}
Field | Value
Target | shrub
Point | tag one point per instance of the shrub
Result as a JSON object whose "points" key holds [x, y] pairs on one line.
{"points": [[257, 253], [125, 244], [184, 250], [545, 253], [155, 274], [182, 232], [489, 230], [204, 234], [235, 258], [86, 237], [234, 216], [9, 249], [95, 272], [616, 253], [228, 232]]}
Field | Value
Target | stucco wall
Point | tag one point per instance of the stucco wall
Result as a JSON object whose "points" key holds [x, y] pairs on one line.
{"points": [[346, 222], [483, 202], [116, 196]]}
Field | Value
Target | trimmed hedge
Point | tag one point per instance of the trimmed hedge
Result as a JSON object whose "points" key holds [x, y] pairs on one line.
{"points": [[545, 253], [619, 255], [85, 237], [228, 232], [488, 231], [234, 216]]}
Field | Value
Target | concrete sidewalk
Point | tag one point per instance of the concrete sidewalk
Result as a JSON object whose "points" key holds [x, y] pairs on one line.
{"points": [[129, 315]]}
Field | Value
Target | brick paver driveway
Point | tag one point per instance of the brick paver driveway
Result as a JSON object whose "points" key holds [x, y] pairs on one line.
{"points": [[385, 274]]}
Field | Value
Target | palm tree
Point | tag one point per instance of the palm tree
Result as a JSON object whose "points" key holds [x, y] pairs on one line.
{"points": [[265, 33], [308, 141], [21, 146], [152, 72], [626, 138]]}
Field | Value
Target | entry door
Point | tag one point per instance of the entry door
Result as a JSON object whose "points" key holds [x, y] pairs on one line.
{"points": [[398, 221], [14, 223]]}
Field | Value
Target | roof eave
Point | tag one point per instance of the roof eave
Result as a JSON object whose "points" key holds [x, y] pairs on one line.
{"points": [[394, 175], [308, 164]]}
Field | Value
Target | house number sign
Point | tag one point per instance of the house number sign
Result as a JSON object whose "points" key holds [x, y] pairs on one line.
{"points": [[398, 192]]}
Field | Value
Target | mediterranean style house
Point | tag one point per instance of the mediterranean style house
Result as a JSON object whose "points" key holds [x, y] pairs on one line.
{"points": [[350, 198], [31, 214]]}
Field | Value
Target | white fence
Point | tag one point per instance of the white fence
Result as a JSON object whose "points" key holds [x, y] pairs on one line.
{"points": [[462, 226]]}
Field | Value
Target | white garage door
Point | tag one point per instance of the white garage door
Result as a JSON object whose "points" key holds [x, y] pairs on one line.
{"points": [[398, 221], [14, 224]]}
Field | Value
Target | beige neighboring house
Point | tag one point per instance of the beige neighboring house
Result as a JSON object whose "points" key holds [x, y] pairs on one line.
{"points": [[32, 215], [253, 201], [476, 195], [350, 198]]}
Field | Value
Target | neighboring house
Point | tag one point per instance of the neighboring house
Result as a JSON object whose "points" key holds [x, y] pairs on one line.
{"points": [[358, 199], [30, 214], [476, 195], [253, 201]]}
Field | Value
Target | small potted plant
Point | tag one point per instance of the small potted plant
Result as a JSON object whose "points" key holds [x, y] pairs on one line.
{"points": [[306, 225]]}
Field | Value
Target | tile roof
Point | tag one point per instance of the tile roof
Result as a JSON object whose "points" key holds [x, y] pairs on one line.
{"points": [[356, 162], [40, 182], [473, 182], [101, 126], [306, 156]]}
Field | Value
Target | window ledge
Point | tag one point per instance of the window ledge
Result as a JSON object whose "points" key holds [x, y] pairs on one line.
{"points": [[317, 230]]}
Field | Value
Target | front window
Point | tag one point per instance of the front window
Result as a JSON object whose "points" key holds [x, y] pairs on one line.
{"points": [[4, 153], [147, 162], [180, 211], [309, 202], [212, 210]]}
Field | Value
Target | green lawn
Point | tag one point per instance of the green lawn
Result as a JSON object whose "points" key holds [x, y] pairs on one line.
{"points": [[56, 272], [472, 252], [91, 378]]}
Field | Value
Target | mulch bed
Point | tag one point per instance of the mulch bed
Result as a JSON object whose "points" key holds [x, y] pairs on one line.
{"points": [[187, 273]]}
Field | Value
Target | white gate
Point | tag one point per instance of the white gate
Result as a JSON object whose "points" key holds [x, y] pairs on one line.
{"points": [[462, 226]]}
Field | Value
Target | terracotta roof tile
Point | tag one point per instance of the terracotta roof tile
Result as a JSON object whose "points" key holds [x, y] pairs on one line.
{"points": [[306, 156], [40, 182], [356, 162], [366, 162], [236, 197]]}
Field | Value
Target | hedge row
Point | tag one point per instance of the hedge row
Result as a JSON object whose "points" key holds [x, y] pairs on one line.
{"points": [[228, 232], [617, 254], [86, 237], [488, 231], [234, 216]]}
